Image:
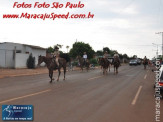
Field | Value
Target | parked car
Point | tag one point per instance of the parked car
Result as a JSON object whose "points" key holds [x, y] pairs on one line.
{"points": [[138, 61], [133, 62]]}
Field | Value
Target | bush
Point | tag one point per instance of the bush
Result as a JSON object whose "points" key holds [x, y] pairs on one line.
{"points": [[31, 62], [93, 61], [75, 63]]}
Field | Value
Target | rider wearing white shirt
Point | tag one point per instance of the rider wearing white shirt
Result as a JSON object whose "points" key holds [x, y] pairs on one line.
{"points": [[85, 57]]}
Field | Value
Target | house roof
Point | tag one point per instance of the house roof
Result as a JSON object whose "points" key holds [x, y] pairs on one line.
{"points": [[32, 46]]}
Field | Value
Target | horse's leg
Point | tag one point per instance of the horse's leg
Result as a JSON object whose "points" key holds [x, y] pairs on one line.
{"points": [[64, 72], [82, 68], [109, 67], [51, 75], [104, 71], [116, 70], [87, 68], [59, 72]]}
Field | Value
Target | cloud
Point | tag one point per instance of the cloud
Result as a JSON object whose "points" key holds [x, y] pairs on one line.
{"points": [[121, 25]]}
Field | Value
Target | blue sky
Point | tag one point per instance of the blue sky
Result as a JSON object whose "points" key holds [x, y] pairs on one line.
{"points": [[128, 26]]}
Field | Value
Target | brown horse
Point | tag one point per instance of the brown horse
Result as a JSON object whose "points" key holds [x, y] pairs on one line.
{"points": [[116, 65], [51, 65], [105, 64], [82, 63]]}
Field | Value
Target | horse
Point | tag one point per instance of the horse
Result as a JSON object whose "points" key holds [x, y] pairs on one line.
{"points": [[116, 65], [51, 65], [82, 63], [145, 62], [105, 64]]}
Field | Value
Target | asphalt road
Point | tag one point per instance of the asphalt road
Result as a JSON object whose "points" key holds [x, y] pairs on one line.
{"points": [[85, 96]]}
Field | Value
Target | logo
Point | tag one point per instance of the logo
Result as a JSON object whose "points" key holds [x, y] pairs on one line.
{"points": [[17, 112]]}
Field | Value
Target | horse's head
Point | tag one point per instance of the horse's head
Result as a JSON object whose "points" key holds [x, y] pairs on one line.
{"points": [[102, 61], [99, 60], [40, 60]]}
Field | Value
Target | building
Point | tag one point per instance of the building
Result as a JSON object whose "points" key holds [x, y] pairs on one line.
{"points": [[15, 55]]}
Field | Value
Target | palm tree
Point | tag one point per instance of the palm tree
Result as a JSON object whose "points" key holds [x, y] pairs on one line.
{"points": [[67, 48], [59, 45]]}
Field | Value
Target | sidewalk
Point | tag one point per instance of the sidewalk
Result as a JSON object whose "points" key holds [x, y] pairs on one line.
{"points": [[26, 72], [21, 72]]}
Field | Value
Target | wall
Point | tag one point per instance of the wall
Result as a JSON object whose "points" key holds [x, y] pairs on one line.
{"points": [[21, 60], [2, 58], [10, 59], [7, 58]]}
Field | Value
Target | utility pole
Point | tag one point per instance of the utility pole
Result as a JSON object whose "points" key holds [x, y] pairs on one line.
{"points": [[156, 50], [162, 42]]}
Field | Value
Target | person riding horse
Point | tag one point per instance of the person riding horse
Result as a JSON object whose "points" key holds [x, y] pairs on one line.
{"points": [[56, 56], [116, 58], [106, 55], [116, 62], [145, 62], [85, 58]]}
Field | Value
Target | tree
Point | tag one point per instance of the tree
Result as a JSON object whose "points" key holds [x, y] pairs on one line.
{"points": [[134, 56], [99, 53], [31, 62], [58, 45], [79, 48], [106, 49], [50, 50], [125, 56], [67, 48]]}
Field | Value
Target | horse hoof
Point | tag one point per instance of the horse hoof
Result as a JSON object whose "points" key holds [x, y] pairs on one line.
{"points": [[63, 79], [50, 81]]}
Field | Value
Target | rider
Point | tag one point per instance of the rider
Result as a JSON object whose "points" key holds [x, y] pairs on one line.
{"points": [[116, 57], [85, 57], [145, 60], [106, 55], [56, 55]]}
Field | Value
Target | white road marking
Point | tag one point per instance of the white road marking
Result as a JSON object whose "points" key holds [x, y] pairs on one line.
{"points": [[136, 96], [95, 77], [145, 76], [29, 95]]}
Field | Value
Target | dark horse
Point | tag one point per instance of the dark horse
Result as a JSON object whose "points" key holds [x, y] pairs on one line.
{"points": [[145, 63], [51, 65], [82, 63], [116, 65], [105, 64]]}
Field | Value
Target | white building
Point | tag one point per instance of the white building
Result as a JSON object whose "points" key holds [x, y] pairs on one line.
{"points": [[15, 55]]}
